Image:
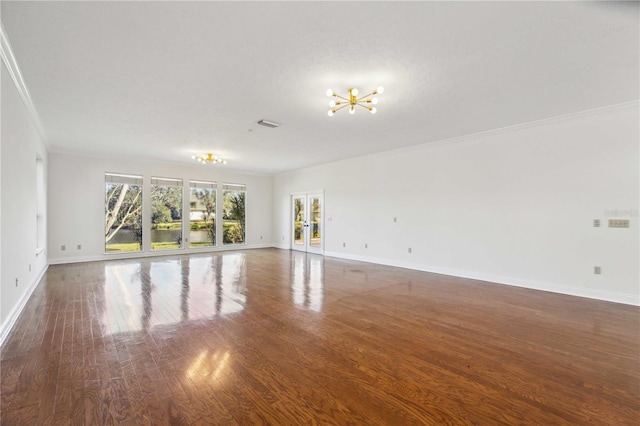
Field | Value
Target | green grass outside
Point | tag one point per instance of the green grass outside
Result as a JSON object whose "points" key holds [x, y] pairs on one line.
{"points": [[164, 245], [121, 248], [170, 225], [116, 248], [195, 226], [201, 244]]}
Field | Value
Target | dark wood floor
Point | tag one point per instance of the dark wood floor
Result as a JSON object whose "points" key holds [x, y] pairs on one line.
{"points": [[275, 337]]}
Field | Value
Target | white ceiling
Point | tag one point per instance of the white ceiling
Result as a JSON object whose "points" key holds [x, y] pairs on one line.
{"points": [[166, 80]]}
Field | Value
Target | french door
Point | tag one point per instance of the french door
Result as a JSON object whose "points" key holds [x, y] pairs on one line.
{"points": [[307, 227]]}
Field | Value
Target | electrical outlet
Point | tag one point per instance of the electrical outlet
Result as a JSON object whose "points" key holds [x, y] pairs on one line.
{"points": [[79, 246], [63, 248], [597, 270], [366, 245], [395, 219], [344, 244], [409, 249], [596, 223], [260, 236]]}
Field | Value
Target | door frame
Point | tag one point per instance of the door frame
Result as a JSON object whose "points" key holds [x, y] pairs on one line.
{"points": [[307, 247]]}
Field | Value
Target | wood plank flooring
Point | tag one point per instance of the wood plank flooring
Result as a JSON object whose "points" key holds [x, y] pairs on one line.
{"points": [[276, 337]]}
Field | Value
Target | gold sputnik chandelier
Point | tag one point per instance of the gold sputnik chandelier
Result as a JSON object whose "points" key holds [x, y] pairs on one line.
{"points": [[209, 159], [367, 101]]}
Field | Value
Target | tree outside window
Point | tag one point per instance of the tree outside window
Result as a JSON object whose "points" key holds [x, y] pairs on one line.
{"points": [[202, 214], [233, 218], [123, 213], [166, 213]]}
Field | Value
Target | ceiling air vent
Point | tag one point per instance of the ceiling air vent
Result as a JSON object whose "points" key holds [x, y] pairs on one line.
{"points": [[268, 123]]}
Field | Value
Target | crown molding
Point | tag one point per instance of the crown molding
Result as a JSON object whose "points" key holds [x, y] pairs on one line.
{"points": [[469, 137], [9, 59]]}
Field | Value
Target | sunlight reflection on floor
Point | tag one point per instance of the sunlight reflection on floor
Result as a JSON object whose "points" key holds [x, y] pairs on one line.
{"points": [[139, 295]]}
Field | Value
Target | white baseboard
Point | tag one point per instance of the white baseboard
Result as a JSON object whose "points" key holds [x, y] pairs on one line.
{"points": [[609, 296], [281, 246], [8, 324], [113, 256]]}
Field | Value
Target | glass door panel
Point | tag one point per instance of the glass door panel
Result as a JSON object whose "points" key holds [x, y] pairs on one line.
{"points": [[315, 237], [307, 223], [299, 222]]}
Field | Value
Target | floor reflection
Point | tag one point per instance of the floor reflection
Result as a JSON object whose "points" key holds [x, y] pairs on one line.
{"points": [[208, 367], [224, 278], [307, 283], [142, 294], [121, 303]]}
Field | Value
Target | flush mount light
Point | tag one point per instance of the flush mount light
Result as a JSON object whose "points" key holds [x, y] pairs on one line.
{"points": [[353, 100], [267, 123], [209, 159]]}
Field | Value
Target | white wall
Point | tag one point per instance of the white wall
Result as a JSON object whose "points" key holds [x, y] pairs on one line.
{"points": [[513, 206], [21, 144], [76, 203]]}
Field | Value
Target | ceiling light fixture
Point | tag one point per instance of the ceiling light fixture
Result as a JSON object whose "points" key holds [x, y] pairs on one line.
{"points": [[209, 159], [365, 101]]}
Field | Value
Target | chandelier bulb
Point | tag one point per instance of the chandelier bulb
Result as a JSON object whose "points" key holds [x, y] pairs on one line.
{"points": [[352, 110], [330, 92], [332, 104], [373, 110], [330, 113], [380, 90], [354, 92], [374, 101]]}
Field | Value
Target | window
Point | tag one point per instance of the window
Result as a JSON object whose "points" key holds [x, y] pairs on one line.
{"points": [[202, 214], [40, 206], [166, 213], [123, 213], [233, 218]]}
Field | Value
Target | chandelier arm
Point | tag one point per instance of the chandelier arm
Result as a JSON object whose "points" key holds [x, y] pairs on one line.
{"points": [[341, 97], [365, 107], [365, 96], [343, 106]]}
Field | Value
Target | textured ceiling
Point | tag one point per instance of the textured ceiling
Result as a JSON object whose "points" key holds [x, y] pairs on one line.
{"points": [[166, 80]]}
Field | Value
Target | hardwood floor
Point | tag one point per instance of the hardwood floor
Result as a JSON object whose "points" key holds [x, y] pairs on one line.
{"points": [[283, 338]]}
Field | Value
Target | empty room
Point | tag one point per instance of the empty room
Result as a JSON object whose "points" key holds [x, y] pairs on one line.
{"points": [[323, 213]]}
